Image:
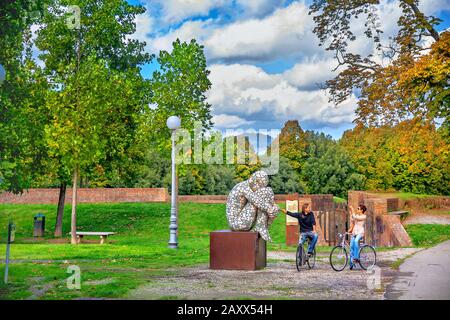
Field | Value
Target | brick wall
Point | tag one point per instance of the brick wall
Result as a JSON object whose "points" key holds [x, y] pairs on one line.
{"points": [[382, 229], [393, 204], [89, 195], [203, 198], [318, 201]]}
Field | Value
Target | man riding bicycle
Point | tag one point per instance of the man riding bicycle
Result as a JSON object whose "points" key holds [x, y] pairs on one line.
{"points": [[307, 226]]}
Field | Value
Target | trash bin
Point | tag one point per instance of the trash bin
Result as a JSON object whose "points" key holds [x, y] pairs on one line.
{"points": [[39, 225]]}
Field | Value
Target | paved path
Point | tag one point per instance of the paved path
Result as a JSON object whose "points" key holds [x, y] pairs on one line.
{"points": [[426, 275]]}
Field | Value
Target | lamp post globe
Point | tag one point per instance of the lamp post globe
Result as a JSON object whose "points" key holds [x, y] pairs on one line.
{"points": [[2, 74], [173, 123]]}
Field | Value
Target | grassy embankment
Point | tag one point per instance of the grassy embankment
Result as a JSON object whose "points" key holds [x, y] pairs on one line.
{"points": [[133, 256]]}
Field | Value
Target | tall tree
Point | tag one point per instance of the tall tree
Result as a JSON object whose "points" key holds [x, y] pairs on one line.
{"points": [[368, 150], [329, 168], [287, 180], [412, 156], [95, 71], [293, 144], [382, 100], [428, 82], [179, 88], [21, 98]]}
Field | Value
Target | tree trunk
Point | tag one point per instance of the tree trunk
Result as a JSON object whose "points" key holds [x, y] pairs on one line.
{"points": [[59, 216], [73, 228], [421, 17]]}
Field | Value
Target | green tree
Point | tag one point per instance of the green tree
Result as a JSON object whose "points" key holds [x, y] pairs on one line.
{"points": [[179, 88], [95, 72], [293, 144], [368, 150], [22, 117], [328, 168], [287, 180]]}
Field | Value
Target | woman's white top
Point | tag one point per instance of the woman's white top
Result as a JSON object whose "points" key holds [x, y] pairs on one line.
{"points": [[358, 220]]}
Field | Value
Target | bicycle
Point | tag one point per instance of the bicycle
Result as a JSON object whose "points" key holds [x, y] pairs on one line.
{"points": [[339, 255], [302, 258]]}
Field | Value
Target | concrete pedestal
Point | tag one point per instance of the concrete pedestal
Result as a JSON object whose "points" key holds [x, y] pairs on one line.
{"points": [[234, 250]]}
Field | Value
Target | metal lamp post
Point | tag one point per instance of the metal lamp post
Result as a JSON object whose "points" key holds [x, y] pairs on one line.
{"points": [[2, 74], [173, 123]]}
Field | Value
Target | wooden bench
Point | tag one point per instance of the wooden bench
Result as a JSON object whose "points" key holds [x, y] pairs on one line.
{"points": [[103, 235], [400, 213]]}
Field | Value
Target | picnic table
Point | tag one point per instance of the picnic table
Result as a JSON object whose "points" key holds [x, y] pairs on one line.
{"points": [[103, 235]]}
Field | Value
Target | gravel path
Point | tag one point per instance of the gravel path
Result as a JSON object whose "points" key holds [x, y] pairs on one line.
{"points": [[431, 216], [279, 279], [428, 219]]}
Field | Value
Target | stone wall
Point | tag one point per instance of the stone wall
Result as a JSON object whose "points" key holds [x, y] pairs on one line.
{"points": [[320, 203], [203, 198], [88, 195], [382, 229]]}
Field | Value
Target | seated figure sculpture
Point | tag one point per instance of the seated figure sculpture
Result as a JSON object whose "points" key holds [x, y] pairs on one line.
{"points": [[251, 205]]}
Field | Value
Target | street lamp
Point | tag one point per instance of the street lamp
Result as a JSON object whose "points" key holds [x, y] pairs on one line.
{"points": [[2, 74], [173, 123]]}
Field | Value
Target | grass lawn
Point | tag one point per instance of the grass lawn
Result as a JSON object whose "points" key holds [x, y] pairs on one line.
{"points": [[133, 256], [339, 200], [138, 250], [405, 195], [428, 235]]}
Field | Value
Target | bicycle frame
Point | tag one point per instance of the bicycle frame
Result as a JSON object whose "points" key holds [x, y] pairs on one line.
{"points": [[343, 241]]}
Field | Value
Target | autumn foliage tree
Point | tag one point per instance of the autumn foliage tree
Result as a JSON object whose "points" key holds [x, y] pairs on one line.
{"points": [[411, 156], [392, 92], [292, 142], [428, 81]]}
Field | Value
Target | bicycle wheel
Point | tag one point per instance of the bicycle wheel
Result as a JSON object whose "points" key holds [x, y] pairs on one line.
{"points": [[312, 260], [300, 257], [338, 258], [367, 257]]}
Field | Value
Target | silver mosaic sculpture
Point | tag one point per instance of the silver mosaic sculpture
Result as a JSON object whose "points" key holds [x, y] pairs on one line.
{"points": [[251, 205]]}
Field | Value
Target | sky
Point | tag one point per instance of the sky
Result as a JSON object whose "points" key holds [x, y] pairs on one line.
{"points": [[266, 63]]}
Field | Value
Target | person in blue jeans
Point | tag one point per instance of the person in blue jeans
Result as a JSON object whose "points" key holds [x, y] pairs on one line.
{"points": [[307, 226], [358, 220]]}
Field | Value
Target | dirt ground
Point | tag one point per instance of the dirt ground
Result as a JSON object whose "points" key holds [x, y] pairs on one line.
{"points": [[280, 279], [424, 216]]}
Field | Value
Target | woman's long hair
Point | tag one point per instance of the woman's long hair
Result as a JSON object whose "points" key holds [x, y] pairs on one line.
{"points": [[304, 206]]}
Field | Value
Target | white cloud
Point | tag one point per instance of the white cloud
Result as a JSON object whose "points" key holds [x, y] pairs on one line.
{"points": [[198, 30], [311, 73], [144, 27], [259, 8], [286, 32], [430, 7], [174, 11], [266, 31], [229, 121], [253, 95]]}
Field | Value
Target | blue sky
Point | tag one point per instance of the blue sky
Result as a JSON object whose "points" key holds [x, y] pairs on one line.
{"points": [[265, 62]]}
